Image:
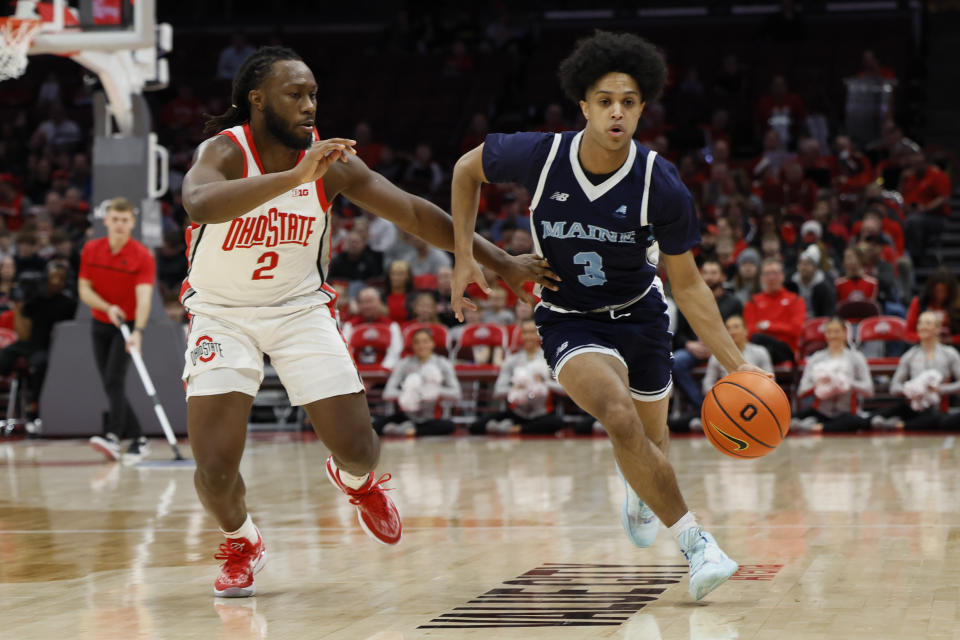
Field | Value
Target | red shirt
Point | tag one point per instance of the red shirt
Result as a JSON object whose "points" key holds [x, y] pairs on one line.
{"points": [[855, 289], [785, 311], [922, 191], [115, 276]]}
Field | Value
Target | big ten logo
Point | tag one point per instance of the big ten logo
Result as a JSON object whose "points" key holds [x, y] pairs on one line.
{"points": [[300, 192], [205, 350]]}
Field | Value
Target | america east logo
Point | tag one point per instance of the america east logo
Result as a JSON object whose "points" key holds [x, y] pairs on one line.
{"points": [[205, 350]]}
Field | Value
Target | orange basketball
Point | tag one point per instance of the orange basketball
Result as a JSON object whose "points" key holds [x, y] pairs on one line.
{"points": [[745, 415]]}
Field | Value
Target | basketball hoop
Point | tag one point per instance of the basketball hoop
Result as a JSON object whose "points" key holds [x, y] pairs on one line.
{"points": [[15, 37]]}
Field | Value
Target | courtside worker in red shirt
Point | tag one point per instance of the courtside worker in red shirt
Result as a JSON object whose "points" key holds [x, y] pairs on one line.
{"points": [[775, 316], [116, 280]]}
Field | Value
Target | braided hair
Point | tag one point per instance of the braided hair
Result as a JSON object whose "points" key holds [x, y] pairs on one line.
{"points": [[251, 74]]}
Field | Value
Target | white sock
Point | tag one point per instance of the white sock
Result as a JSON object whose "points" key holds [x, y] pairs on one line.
{"points": [[688, 521], [352, 481], [246, 530]]}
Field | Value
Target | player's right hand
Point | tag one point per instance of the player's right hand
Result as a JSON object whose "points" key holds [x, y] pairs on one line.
{"points": [[465, 271], [320, 156], [116, 315]]}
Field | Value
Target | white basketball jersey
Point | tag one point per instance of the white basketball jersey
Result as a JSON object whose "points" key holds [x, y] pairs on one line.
{"points": [[275, 255]]}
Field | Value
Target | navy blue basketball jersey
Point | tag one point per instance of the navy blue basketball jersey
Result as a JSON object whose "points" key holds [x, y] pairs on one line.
{"points": [[602, 240]]}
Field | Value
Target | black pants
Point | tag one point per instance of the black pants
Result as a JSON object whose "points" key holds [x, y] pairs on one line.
{"points": [[779, 350], [434, 427], [547, 423], [919, 230], [843, 423], [927, 420], [36, 359], [110, 352]]}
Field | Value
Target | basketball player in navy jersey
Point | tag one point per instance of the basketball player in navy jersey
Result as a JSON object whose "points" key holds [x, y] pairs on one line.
{"points": [[604, 211], [258, 195]]}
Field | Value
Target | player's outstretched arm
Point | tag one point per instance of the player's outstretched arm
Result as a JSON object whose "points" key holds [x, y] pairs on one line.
{"points": [[424, 219], [214, 189], [699, 307]]}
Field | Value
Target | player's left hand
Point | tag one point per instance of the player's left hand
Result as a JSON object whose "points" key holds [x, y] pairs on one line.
{"points": [[136, 339], [746, 366], [528, 268]]}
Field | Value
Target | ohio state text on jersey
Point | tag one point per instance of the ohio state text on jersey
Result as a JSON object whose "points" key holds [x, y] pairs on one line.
{"points": [[276, 254]]}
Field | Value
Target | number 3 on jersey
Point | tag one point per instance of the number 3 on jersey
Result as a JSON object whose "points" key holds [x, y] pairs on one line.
{"points": [[269, 262], [593, 275]]}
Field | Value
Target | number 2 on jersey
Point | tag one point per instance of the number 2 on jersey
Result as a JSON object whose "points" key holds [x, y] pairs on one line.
{"points": [[269, 262], [593, 275]]}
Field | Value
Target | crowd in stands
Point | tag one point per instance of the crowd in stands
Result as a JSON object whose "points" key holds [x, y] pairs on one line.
{"points": [[805, 227]]}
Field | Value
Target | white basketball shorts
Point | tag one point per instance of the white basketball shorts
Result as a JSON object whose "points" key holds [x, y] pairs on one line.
{"points": [[225, 351]]}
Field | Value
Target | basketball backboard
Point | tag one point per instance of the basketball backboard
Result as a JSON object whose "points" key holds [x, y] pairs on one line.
{"points": [[91, 25]]}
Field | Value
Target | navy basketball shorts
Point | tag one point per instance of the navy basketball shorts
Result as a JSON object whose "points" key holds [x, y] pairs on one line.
{"points": [[638, 336]]}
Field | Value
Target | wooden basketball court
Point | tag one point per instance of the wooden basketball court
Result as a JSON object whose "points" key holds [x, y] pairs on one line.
{"points": [[841, 538]]}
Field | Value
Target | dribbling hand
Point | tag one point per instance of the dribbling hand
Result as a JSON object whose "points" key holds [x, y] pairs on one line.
{"points": [[528, 268], [465, 271], [320, 156], [746, 366]]}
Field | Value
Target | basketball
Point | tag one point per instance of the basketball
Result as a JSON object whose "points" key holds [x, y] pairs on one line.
{"points": [[746, 415]]}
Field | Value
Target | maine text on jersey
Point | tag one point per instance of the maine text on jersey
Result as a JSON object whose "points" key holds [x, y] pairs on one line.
{"points": [[592, 232], [269, 230]]}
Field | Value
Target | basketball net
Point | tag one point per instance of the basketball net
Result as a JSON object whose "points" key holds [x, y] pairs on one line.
{"points": [[15, 37]]}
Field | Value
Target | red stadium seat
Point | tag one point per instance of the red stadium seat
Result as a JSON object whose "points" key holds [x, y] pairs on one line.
{"points": [[515, 343], [369, 344], [886, 328], [481, 334], [425, 282], [441, 337]]}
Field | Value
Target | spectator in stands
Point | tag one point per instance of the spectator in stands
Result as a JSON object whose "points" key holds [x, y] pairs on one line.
{"points": [[854, 169], [775, 316], [476, 133], [368, 150], [425, 258], [689, 350], [370, 309], [522, 311], [27, 258], [797, 193], [357, 263], [781, 110], [926, 197], [874, 264], [459, 62], [232, 57], [495, 308], [381, 233], [927, 373], [171, 262], [57, 130], [941, 295], [425, 308], [7, 247], [854, 285], [423, 175], [521, 242], [8, 281], [870, 67], [45, 303], [746, 281], [836, 376], [810, 283], [525, 382], [399, 291], [553, 120], [13, 202], [772, 159], [418, 384], [182, 112]]}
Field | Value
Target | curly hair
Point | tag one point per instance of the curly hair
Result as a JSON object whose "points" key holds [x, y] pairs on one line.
{"points": [[249, 76], [606, 52]]}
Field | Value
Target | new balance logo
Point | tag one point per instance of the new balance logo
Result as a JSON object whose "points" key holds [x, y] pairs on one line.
{"points": [[621, 210], [559, 196]]}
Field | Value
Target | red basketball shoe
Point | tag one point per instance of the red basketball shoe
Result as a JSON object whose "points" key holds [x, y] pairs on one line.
{"points": [[241, 560], [376, 512]]}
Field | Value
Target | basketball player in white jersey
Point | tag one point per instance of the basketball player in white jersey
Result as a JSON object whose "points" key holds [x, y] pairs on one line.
{"points": [[259, 196]]}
